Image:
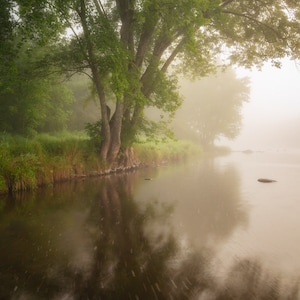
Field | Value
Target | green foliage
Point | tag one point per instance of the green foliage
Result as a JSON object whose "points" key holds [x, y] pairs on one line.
{"points": [[34, 105], [133, 51], [20, 172], [155, 130], [258, 32], [26, 163], [64, 144], [31, 101], [32, 97], [40, 21], [15, 145], [18, 163], [94, 132], [165, 150], [7, 48], [165, 96], [212, 108], [85, 108], [48, 158], [57, 107]]}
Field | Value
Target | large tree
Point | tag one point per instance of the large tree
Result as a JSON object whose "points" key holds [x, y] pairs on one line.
{"points": [[133, 49], [32, 98], [211, 108], [30, 102]]}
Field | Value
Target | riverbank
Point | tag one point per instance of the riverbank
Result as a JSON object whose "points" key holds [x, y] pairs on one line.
{"points": [[26, 164]]}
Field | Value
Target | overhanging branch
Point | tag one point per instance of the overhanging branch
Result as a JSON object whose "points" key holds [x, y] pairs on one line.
{"points": [[99, 7], [224, 3], [173, 55], [243, 15]]}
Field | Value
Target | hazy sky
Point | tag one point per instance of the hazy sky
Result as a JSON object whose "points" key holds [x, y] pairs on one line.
{"points": [[271, 119]]}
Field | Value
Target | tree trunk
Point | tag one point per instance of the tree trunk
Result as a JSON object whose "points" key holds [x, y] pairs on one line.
{"points": [[115, 131], [105, 145], [105, 129]]}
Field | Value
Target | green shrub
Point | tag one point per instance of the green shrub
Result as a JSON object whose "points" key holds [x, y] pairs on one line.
{"points": [[93, 130], [20, 172], [27, 163]]}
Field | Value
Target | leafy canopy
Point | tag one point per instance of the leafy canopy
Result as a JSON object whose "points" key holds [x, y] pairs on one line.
{"points": [[133, 50]]}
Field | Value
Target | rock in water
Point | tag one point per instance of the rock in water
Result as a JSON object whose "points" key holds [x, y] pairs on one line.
{"points": [[266, 180]]}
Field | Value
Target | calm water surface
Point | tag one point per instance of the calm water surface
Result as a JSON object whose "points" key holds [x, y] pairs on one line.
{"points": [[205, 229]]}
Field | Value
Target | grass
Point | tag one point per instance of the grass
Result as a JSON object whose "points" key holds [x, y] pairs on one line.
{"points": [[61, 144], [151, 153], [45, 159]]}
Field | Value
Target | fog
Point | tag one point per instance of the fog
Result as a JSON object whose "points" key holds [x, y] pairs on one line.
{"points": [[271, 118]]}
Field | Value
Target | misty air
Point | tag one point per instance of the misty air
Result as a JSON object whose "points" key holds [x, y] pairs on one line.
{"points": [[149, 150]]}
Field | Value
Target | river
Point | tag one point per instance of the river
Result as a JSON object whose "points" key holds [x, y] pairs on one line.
{"points": [[203, 229]]}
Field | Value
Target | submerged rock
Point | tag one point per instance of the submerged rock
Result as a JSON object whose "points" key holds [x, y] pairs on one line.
{"points": [[266, 180]]}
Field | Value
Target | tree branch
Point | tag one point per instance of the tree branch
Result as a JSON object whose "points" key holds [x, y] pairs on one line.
{"points": [[145, 39], [126, 13], [161, 45], [224, 3], [254, 20], [100, 7], [173, 55]]}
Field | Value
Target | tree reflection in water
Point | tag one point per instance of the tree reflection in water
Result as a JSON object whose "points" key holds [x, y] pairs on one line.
{"points": [[92, 241]]}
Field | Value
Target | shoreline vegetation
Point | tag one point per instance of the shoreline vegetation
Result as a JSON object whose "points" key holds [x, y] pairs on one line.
{"points": [[46, 159]]}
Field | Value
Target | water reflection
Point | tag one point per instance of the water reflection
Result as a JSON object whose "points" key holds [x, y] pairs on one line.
{"points": [[93, 240], [208, 201], [248, 280], [219, 202]]}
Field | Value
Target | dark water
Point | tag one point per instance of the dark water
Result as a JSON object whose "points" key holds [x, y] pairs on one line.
{"points": [[199, 230]]}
